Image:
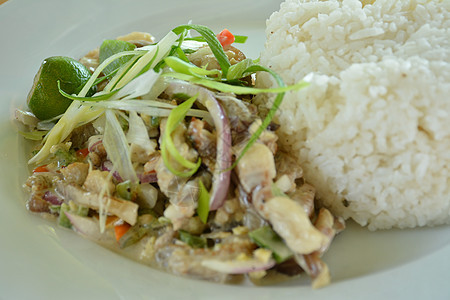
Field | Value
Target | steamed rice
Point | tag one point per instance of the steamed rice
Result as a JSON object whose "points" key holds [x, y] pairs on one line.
{"points": [[372, 130]]}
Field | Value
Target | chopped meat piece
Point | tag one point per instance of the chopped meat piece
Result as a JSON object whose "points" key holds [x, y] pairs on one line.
{"points": [[315, 268], [291, 222], [137, 38], [203, 141], [75, 173], [204, 57], [304, 195], [80, 136], [267, 137], [256, 167], [125, 210], [98, 182], [37, 204]]}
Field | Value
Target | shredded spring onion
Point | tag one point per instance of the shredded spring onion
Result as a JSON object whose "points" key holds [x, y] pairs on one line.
{"points": [[181, 66], [148, 107], [227, 88], [35, 135], [116, 146], [78, 114], [203, 202], [168, 149], [137, 133], [213, 43]]}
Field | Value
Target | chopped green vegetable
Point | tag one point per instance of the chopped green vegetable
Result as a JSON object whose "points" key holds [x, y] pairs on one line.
{"points": [[267, 238], [63, 220], [65, 158], [123, 189], [203, 202], [132, 236], [277, 192], [192, 240], [154, 121], [82, 211]]}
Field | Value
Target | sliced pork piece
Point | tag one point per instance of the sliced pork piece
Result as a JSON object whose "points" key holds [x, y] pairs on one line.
{"points": [[288, 165], [99, 182], [256, 167], [183, 204], [304, 195], [312, 263], [203, 141], [80, 136], [291, 222], [39, 184], [75, 173], [126, 210], [316, 268], [267, 137], [204, 57], [240, 114], [184, 260]]}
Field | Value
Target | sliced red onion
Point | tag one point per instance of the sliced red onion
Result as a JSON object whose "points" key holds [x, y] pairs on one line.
{"points": [[238, 266], [221, 178], [147, 177], [108, 166], [94, 145], [52, 198]]}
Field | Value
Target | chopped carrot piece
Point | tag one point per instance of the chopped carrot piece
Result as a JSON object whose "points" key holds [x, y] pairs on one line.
{"points": [[121, 229], [42, 168], [225, 37], [82, 153]]}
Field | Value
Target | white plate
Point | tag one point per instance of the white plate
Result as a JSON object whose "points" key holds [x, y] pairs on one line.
{"points": [[38, 261]]}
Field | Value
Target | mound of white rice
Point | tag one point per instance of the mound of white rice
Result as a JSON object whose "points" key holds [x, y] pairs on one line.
{"points": [[372, 131]]}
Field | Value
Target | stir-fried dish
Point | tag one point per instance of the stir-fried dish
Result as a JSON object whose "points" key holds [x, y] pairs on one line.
{"points": [[159, 153]]}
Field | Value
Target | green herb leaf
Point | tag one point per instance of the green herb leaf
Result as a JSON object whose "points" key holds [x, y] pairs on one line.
{"points": [[239, 70], [111, 47]]}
